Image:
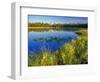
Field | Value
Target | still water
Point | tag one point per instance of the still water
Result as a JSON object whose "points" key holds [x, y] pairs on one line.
{"points": [[39, 41]]}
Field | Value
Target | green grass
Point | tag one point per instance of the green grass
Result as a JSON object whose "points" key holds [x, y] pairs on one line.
{"points": [[45, 58], [76, 52]]}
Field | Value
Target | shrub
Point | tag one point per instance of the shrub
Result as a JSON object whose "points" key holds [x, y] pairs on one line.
{"points": [[76, 51]]}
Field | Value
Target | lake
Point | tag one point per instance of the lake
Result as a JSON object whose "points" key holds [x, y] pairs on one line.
{"points": [[48, 40]]}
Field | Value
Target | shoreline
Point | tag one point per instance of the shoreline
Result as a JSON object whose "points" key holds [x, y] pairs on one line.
{"points": [[41, 29]]}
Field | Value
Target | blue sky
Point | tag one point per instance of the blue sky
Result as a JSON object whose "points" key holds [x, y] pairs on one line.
{"points": [[56, 19]]}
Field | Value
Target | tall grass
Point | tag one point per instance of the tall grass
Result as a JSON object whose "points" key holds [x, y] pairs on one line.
{"points": [[76, 52], [45, 58]]}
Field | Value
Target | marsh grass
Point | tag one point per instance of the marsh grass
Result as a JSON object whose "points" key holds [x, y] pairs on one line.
{"points": [[76, 52]]}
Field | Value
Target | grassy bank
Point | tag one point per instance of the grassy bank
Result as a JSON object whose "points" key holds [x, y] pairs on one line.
{"points": [[76, 52]]}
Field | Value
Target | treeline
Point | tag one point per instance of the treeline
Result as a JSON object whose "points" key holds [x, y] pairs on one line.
{"points": [[85, 25]]}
